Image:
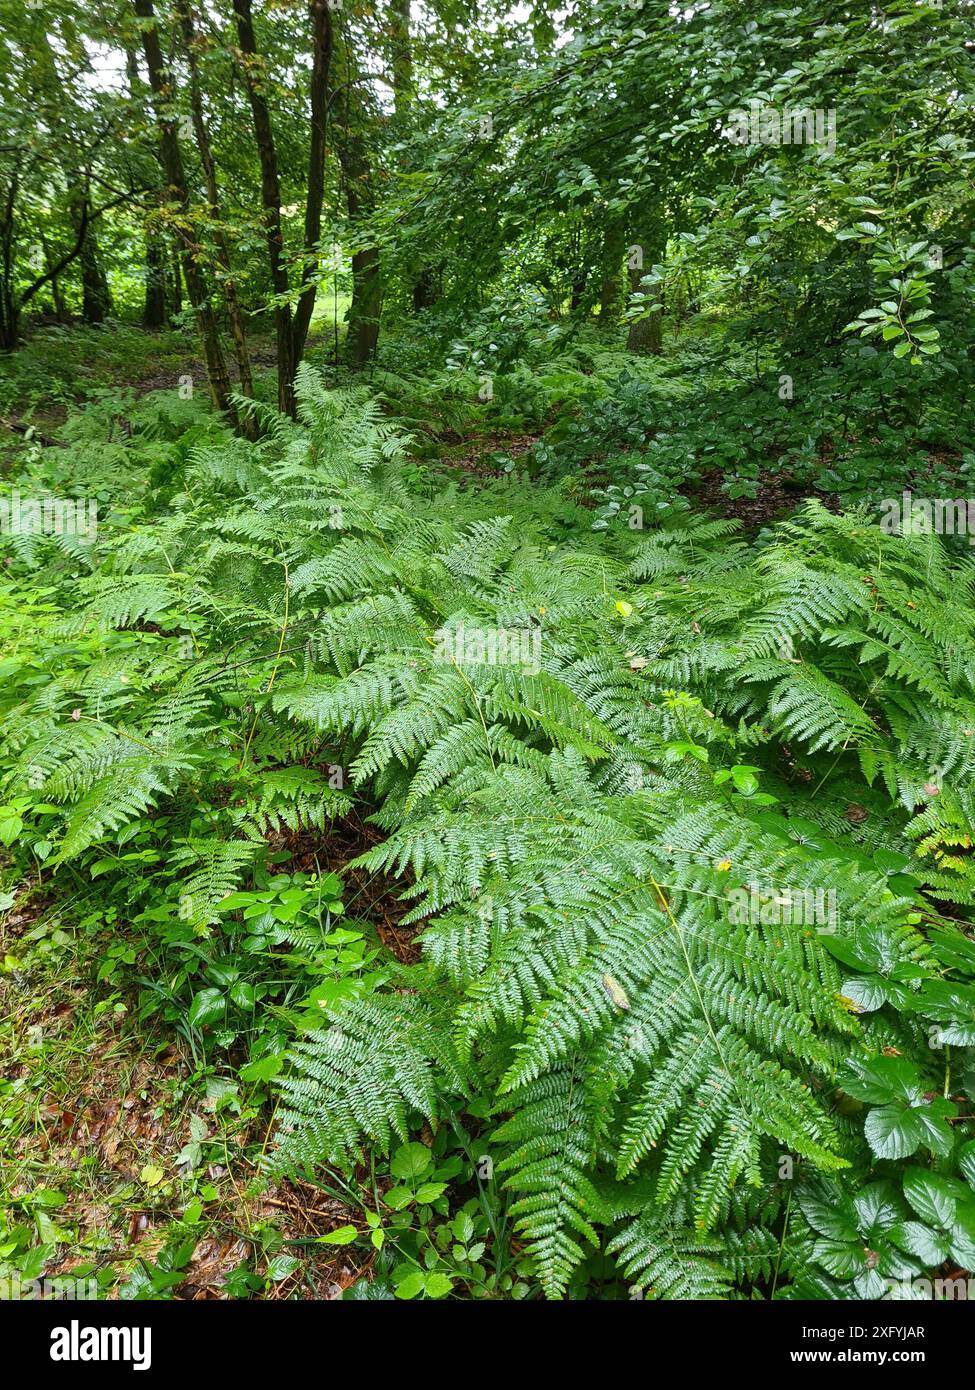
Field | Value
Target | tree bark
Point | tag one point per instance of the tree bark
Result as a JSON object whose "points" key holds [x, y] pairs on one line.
{"points": [[271, 202], [426, 282], [248, 422], [611, 279], [154, 302], [154, 308], [9, 311], [189, 250], [96, 299], [366, 307], [321, 65], [291, 330], [60, 308], [645, 335], [426, 289], [175, 290], [401, 52], [9, 322]]}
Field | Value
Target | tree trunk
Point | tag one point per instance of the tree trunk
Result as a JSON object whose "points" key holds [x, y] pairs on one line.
{"points": [[271, 201], [9, 322], [321, 65], [248, 423], [426, 283], [426, 289], [96, 298], [154, 309], [366, 307], [154, 303], [291, 331], [645, 334], [401, 53], [9, 312], [172, 163], [611, 280], [578, 292], [60, 308], [175, 290]]}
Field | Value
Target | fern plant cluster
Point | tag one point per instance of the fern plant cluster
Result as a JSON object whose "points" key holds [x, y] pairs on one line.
{"points": [[692, 1092]]}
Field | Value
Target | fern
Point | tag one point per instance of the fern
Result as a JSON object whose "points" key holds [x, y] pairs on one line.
{"points": [[555, 825]]}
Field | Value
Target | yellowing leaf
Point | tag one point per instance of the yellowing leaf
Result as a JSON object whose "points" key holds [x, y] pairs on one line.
{"points": [[151, 1175], [615, 991]]}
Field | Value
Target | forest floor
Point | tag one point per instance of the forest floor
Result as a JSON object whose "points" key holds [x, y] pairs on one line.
{"points": [[136, 1156], [123, 1145], [120, 1145]]}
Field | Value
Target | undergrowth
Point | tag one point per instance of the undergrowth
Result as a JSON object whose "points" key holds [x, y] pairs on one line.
{"points": [[683, 820]]}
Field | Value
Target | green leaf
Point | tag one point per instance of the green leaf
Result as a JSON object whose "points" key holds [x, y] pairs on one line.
{"points": [[342, 1235], [880, 1079], [410, 1161], [207, 1007], [930, 1196], [462, 1227], [966, 1161], [10, 828], [438, 1284], [263, 1069], [281, 1267], [412, 1285], [430, 1191], [399, 1198], [893, 1131], [929, 1246]]}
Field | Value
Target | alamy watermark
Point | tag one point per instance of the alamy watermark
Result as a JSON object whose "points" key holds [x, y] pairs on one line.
{"points": [[52, 516], [69, 1287], [763, 124], [77, 1343], [490, 646], [797, 907], [908, 515], [941, 1290]]}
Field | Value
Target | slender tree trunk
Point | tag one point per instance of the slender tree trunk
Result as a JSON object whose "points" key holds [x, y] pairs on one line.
{"points": [[401, 52], [321, 65], [426, 289], [578, 293], [9, 312], [172, 163], [154, 309], [366, 307], [9, 320], [248, 423], [645, 335], [154, 302], [426, 284], [175, 289], [57, 295], [271, 201], [291, 330], [611, 280], [96, 299]]}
